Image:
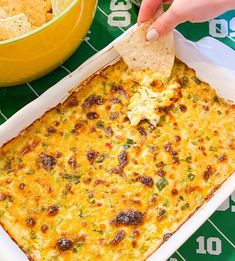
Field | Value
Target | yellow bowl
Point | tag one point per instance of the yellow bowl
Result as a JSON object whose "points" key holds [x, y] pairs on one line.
{"points": [[35, 54]]}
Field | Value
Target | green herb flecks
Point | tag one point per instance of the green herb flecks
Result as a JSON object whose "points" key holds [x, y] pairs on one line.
{"points": [[191, 176], [195, 143], [100, 124], [175, 109], [212, 148], [161, 213], [101, 232], [193, 97], [162, 119], [72, 178], [64, 192], [100, 158], [80, 213], [188, 159], [216, 99], [184, 81], [75, 250], [91, 200], [185, 206], [162, 183], [129, 143], [166, 203], [196, 80], [104, 88]]}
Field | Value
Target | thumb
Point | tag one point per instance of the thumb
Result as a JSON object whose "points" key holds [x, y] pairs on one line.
{"points": [[164, 24]]}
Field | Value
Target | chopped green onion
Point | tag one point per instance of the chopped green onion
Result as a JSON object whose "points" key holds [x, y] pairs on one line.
{"points": [[126, 146], [216, 99], [100, 124], [175, 109], [79, 244], [161, 213], [196, 80], [188, 159], [191, 176], [189, 169], [130, 141], [166, 203], [91, 200], [162, 118], [80, 213], [212, 148], [185, 206], [101, 232], [162, 183], [100, 158], [181, 198]]}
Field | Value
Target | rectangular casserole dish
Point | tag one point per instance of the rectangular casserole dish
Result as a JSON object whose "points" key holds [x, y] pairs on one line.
{"points": [[202, 56]]}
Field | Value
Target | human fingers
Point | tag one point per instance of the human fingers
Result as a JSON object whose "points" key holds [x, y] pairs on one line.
{"points": [[148, 9], [164, 24]]}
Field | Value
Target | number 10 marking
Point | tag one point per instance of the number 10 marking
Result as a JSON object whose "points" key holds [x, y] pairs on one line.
{"points": [[212, 246]]}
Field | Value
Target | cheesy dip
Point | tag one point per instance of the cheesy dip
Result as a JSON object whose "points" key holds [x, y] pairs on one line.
{"points": [[83, 183]]}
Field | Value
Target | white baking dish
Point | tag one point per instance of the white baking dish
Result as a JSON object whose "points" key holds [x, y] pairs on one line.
{"points": [[203, 56]]}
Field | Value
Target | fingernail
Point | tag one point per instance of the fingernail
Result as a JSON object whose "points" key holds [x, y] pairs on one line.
{"points": [[152, 35]]}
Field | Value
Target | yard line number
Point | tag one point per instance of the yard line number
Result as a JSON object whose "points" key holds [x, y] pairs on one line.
{"points": [[220, 28], [227, 205], [211, 245], [120, 17]]}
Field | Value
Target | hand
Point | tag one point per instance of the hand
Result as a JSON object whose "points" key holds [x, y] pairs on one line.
{"points": [[180, 11]]}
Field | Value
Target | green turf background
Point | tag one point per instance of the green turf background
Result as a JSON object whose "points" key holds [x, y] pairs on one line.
{"points": [[113, 17]]}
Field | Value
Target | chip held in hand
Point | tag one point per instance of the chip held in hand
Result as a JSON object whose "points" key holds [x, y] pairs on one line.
{"points": [[139, 53]]}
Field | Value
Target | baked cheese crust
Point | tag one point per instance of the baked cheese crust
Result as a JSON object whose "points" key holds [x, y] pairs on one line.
{"points": [[81, 183]]}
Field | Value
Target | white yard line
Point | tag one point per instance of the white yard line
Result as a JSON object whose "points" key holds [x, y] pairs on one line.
{"points": [[230, 38], [32, 89], [92, 47], [178, 253], [233, 40], [221, 233], [103, 12], [3, 115], [66, 69]]}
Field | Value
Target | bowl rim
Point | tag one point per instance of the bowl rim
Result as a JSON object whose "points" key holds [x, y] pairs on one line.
{"points": [[40, 28]]}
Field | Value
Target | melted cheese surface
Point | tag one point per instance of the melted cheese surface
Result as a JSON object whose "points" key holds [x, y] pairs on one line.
{"points": [[144, 104], [81, 183]]}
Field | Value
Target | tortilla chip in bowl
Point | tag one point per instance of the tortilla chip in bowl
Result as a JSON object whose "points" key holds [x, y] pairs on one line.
{"points": [[28, 56]]}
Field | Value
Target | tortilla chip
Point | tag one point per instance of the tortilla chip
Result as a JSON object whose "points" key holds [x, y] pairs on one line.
{"points": [[48, 6], [59, 5], [5, 5], [138, 53], [3, 13], [14, 26], [35, 10], [49, 16]]}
